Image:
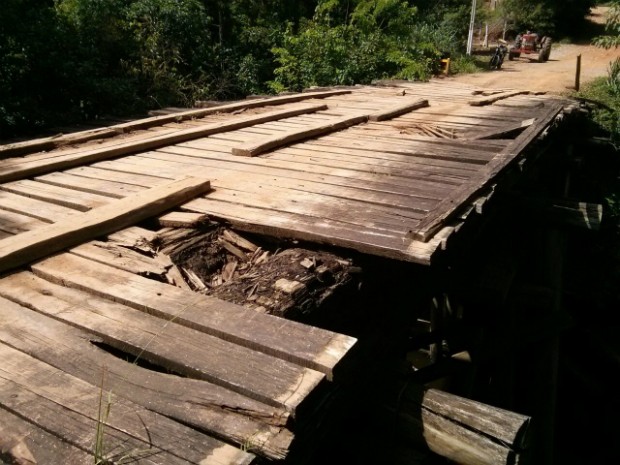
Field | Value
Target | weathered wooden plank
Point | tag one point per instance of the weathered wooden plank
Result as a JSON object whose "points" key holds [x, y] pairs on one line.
{"points": [[70, 407], [182, 219], [468, 190], [311, 347], [167, 344], [107, 188], [117, 256], [24, 443], [503, 132], [208, 407], [24, 168], [50, 143], [398, 110], [78, 200], [22, 249], [256, 148], [14, 223], [325, 231], [44, 211], [496, 98]]}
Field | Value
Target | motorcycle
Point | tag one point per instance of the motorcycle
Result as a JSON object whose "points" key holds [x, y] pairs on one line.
{"points": [[498, 56]]}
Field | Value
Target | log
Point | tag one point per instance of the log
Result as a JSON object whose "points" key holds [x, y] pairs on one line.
{"points": [[24, 248], [462, 430], [270, 143]]}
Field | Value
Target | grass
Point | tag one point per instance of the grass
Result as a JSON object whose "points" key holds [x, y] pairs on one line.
{"points": [[469, 64]]}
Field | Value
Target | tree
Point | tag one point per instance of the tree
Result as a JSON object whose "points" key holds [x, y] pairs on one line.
{"points": [[612, 28]]}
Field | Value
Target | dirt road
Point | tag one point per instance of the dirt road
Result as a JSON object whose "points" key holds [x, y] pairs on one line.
{"points": [[557, 75]]}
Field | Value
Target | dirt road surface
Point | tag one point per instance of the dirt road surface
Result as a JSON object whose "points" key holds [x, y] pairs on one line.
{"points": [[557, 75]]}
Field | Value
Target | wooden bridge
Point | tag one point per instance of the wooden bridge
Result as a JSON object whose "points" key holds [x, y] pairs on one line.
{"points": [[97, 358]]}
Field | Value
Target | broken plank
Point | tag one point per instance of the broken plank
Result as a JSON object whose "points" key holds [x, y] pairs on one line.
{"points": [[167, 344], [22, 168], [208, 407], [311, 347], [70, 407], [254, 149], [468, 190], [503, 132], [113, 254], [398, 110], [22, 249], [236, 239]]}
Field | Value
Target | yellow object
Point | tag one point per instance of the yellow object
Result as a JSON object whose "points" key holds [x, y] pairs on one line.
{"points": [[445, 65]]}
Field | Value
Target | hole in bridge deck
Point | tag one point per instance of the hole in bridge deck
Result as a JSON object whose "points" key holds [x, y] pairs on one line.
{"points": [[131, 358]]}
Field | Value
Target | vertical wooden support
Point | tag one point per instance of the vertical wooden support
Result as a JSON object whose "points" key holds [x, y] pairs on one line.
{"points": [[578, 73]]}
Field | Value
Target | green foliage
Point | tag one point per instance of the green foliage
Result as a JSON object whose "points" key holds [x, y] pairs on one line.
{"points": [[374, 39], [612, 27], [548, 17]]}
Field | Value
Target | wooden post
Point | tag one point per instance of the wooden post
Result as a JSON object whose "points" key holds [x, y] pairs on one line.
{"points": [[578, 73]]}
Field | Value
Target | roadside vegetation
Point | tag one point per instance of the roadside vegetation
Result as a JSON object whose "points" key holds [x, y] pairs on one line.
{"points": [[64, 61]]}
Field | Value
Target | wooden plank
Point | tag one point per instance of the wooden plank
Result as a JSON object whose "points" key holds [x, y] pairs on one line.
{"points": [[167, 344], [43, 211], [117, 256], [107, 188], [326, 231], [22, 249], [256, 148], [503, 132], [398, 110], [202, 405], [311, 347], [24, 168], [14, 223], [468, 190], [496, 98], [70, 407], [50, 143], [78, 200], [25, 443], [179, 219]]}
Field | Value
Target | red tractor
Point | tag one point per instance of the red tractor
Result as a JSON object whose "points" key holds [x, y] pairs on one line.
{"points": [[531, 43]]}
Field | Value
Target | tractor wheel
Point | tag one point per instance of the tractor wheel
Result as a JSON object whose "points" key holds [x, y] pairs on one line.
{"points": [[511, 56]]}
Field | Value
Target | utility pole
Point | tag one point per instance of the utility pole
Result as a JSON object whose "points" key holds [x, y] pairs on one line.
{"points": [[470, 38]]}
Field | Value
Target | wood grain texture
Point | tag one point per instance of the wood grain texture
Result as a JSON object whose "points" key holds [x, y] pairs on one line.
{"points": [[398, 110], [26, 247]]}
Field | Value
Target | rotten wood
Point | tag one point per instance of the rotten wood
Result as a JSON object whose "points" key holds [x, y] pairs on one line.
{"points": [[24, 248], [315, 348]]}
